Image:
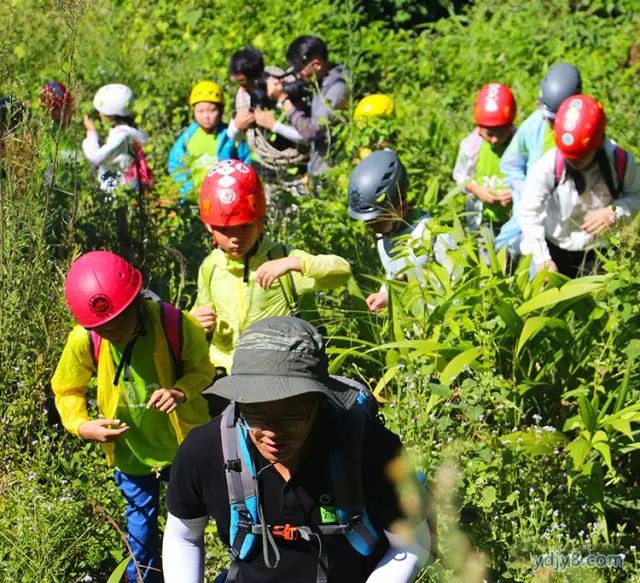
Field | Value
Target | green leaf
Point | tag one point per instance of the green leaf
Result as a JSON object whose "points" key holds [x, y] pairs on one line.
{"points": [[572, 290], [488, 497], [457, 364], [587, 413], [578, 449], [383, 382], [117, 574], [621, 425], [534, 325], [605, 451]]}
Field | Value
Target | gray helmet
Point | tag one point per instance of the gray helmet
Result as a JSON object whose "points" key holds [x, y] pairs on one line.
{"points": [[561, 81], [377, 186]]}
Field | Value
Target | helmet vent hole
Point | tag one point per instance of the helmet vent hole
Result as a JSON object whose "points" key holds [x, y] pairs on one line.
{"points": [[387, 175]]}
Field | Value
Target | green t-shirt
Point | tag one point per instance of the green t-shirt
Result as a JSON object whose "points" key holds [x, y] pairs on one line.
{"points": [[488, 173], [150, 442]]}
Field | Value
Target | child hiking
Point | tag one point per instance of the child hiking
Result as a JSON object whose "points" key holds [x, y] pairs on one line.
{"points": [[248, 276], [477, 171], [577, 191], [151, 362], [120, 159], [204, 142]]}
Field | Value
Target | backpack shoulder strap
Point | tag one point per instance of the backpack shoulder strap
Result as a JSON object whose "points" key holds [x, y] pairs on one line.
{"points": [[171, 318], [95, 341], [241, 486], [290, 294], [345, 467], [558, 168], [620, 159]]}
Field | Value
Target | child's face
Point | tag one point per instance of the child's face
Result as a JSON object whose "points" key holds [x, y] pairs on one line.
{"points": [[583, 162], [496, 136], [121, 328], [207, 115], [238, 240], [387, 223]]}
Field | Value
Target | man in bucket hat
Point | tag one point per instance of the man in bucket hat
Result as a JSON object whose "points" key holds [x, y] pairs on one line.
{"points": [[283, 472]]}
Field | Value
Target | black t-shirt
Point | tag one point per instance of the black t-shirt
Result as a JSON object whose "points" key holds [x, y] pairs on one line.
{"points": [[198, 488]]}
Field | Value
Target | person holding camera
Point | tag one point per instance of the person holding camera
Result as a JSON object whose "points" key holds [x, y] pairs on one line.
{"points": [[279, 153], [308, 58]]}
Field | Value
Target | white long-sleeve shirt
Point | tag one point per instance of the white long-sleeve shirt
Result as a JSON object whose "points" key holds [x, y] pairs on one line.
{"points": [[113, 159], [556, 213], [183, 553]]}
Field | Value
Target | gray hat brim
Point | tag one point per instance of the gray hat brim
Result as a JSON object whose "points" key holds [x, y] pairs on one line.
{"points": [[264, 388]]}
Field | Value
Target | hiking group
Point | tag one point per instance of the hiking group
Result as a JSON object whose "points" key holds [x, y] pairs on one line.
{"points": [[232, 402]]}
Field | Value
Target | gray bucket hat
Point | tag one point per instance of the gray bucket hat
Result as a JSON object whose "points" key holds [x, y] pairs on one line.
{"points": [[278, 358]]}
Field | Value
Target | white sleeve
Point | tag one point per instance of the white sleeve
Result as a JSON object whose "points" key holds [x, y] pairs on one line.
{"points": [[538, 186], [288, 132], [183, 549], [232, 130], [402, 562], [99, 155]]}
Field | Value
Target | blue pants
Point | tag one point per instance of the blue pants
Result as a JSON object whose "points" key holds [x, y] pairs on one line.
{"points": [[142, 494]]}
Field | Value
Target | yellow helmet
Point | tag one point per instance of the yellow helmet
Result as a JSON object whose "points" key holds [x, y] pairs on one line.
{"points": [[378, 104], [206, 91]]}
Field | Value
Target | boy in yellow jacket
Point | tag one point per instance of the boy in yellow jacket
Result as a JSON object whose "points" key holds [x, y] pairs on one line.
{"points": [[151, 363], [248, 277]]}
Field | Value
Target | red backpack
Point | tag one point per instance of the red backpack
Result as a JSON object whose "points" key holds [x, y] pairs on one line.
{"points": [[139, 170], [171, 318], [620, 159]]}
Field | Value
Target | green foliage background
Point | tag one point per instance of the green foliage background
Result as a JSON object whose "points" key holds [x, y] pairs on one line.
{"points": [[533, 396]]}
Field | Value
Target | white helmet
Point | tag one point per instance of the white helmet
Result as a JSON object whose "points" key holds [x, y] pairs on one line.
{"points": [[114, 99]]}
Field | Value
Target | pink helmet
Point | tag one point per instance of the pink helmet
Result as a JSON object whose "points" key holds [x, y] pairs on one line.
{"points": [[100, 285]]}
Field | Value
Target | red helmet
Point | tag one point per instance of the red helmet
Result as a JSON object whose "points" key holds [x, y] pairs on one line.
{"points": [[231, 194], [54, 95], [100, 285], [579, 126], [495, 106]]}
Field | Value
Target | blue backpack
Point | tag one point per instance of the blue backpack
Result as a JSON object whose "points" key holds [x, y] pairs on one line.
{"points": [[247, 523]]}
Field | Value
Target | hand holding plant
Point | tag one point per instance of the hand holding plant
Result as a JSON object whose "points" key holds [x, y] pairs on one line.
{"points": [[166, 400]]}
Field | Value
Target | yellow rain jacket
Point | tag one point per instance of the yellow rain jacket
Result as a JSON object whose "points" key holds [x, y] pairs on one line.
{"points": [[76, 368], [239, 303]]}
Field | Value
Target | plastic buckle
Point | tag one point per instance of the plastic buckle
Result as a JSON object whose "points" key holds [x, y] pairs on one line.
{"points": [[287, 532], [233, 465]]}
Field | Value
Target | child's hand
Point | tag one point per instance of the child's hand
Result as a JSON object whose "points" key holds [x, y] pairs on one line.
{"points": [[206, 318], [504, 196], [597, 222], [88, 124], [484, 194], [269, 271], [377, 301], [265, 119], [166, 400], [244, 119], [99, 430]]}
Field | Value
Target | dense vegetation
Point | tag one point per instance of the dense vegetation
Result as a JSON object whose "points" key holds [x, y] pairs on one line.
{"points": [[519, 398]]}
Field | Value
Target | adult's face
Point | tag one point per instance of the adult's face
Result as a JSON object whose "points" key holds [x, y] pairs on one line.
{"points": [[279, 429]]}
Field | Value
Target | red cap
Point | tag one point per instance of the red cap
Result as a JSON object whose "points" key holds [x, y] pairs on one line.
{"points": [[100, 285], [232, 194], [579, 126], [495, 106]]}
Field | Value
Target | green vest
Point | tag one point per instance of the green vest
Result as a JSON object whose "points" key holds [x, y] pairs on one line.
{"points": [[150, 442], [202, 150], [488, 173]]}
